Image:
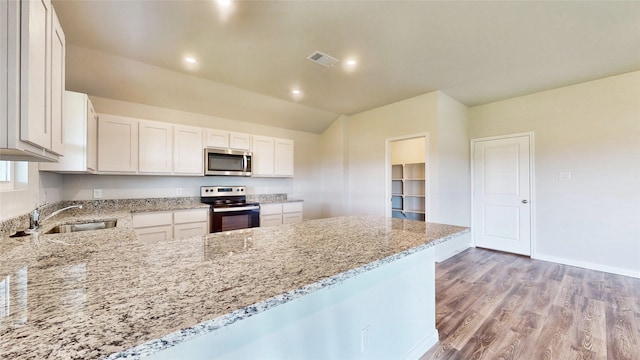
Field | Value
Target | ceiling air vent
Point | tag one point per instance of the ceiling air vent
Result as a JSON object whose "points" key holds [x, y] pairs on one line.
{"points": [[322, 59]]}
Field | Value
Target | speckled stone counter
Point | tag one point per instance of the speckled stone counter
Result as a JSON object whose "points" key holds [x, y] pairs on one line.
{"points": [[105, 293]]}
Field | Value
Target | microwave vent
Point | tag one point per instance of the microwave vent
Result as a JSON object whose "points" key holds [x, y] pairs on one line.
{"points": [[323, 59]]}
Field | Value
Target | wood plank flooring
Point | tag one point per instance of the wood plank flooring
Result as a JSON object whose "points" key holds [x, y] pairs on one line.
{"points": [[493, 305]]}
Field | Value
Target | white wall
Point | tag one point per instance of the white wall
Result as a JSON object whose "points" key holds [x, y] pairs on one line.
{"points": [[367, 134], [30, 191], [452, 186], [364, 156], [335, 169], [593, 131]]}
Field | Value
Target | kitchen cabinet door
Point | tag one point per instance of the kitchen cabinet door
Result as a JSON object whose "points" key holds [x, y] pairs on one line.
{"points": [[27, 74], [270, 220], [239, 141], [156, 233], [80, 123], [292, 218], [217, 138], [270, 214], [283, 158], [35, 62], [117, 144], [155, 147], [188, 230], [92, 137], [58, 47], [263, 156], [188, 150]]}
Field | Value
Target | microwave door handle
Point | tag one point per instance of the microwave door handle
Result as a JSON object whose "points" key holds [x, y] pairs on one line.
{"points": [[244, 163]]}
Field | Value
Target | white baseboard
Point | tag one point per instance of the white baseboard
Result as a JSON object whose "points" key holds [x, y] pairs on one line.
{"points": [[588, 265], [423, 346]]}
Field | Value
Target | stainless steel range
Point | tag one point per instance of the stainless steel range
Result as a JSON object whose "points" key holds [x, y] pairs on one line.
{"points": [[229, 208]]}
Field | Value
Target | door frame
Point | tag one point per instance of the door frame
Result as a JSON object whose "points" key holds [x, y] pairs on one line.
{"points": [[532, 187], [387, 173]]}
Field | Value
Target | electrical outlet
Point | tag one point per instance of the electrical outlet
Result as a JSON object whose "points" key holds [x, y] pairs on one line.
{"points": [[97, 193], [178, 191], [564, 176], [365, 337]]}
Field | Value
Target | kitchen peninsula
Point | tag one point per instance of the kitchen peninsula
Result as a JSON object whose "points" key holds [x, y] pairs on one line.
{"points": [[348, 287]]}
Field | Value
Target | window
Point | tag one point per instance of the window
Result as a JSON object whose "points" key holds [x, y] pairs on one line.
{"points": [[13, 175], [6, 175]]}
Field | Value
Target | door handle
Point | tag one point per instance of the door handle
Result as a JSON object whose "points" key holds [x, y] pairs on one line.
{"points": [[525, 201]]}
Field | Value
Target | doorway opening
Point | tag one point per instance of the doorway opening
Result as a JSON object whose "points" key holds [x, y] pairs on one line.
{"points": [[407, 186]]}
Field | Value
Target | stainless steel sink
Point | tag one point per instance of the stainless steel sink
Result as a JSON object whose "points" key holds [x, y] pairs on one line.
{"points": [[95, 225]]}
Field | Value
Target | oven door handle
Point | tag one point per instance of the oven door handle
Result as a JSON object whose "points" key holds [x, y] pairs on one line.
{"points": [[239, 208]]}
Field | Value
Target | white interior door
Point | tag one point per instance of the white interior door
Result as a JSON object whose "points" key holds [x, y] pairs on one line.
{"points": [[502, 194]]}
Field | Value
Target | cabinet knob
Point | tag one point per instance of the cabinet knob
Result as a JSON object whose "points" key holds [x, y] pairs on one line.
{"points": [[525, 201]]}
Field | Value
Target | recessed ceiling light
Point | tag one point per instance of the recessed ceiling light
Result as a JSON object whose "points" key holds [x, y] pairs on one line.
{"points": [[224, 2], [296, 92], [190, 60], [351, 62]]}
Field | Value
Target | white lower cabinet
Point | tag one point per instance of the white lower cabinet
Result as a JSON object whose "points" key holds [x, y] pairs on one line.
{"points": [[188, 223], [165, 225], [280, 213], [155, 233], [154, 226]]}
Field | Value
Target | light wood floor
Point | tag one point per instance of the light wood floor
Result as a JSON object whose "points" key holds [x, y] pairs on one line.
{"points": [[492, 305]]}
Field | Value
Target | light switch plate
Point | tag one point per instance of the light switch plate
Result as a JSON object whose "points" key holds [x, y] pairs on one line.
{"points": [[564, 176]]}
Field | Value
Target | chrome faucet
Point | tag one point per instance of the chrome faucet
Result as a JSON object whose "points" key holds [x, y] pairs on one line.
{"points": [[35, 216]]}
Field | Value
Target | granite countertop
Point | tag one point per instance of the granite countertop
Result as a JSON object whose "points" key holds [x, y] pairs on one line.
{"points": [[106, 293]]}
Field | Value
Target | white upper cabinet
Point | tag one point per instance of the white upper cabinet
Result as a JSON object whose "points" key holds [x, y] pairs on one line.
{"points": [[117, 144], [263, 152], [239, 141], [155, 149], [32, 80], [137, 146], [272, 157], [216, 139], [283, 158], [58, 46], [80, 129], [188, 150]]}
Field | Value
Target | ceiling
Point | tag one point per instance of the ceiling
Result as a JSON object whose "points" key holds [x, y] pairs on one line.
{"points": [[251, 56]]}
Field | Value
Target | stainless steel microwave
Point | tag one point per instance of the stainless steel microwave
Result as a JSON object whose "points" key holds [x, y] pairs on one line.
{"points": [[226, 162]]}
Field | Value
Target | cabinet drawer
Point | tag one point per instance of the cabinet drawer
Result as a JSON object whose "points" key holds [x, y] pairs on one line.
{"points": [[270, 220], [292, 207], [190, 216], [270, 209], [188, 230], [292, 218], [152, 219], [155, 233]]}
